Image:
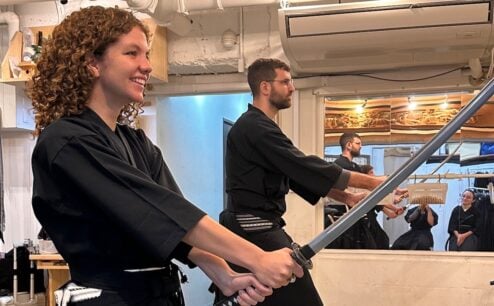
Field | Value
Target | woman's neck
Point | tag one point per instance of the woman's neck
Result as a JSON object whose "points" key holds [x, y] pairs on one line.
{"points": [[107, 114]]}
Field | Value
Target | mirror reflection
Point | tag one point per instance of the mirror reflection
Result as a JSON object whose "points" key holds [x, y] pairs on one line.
{"points": [[449, 207]]}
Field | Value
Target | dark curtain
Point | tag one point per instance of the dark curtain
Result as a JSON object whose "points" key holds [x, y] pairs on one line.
{"points": [[486, 209], [2, 206]]}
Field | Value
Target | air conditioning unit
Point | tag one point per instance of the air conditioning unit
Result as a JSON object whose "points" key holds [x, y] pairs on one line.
{"points": [[385, 35]]}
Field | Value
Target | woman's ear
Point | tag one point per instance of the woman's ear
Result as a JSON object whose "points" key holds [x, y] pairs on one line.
{"points": [[93, 67]]}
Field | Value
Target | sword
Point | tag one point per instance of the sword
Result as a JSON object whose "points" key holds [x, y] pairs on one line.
{"points": [[302, 255]]}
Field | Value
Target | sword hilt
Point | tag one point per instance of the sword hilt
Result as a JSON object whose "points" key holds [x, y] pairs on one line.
{"points": [[301, 255]]}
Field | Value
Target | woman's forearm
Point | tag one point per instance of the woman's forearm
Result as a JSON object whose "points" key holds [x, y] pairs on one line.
{"points": [[414, 215], [213, 266], [273, 269], [210, 236], [430, 216], [227, 280]]}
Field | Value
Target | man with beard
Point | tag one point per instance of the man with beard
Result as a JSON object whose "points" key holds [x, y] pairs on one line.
{"points": [[350, 147], [367, 233], [262, 164]]}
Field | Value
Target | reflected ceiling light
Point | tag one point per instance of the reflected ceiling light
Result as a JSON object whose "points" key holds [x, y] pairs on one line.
{"points": [[411, 104], [444, 105], [360, 108]]}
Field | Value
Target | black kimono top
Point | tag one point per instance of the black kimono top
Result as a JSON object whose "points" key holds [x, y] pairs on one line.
{"points": [[107, 211], [262, 164], [345, 163], [420, 223], [349, 165], [464, 221]]}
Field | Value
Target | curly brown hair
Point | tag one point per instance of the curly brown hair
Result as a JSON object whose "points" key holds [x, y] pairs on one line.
{"points": [[63, 82]]}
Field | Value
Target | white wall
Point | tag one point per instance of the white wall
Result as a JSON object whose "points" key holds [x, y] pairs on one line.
{"points": [[20, 221], [190, 135], [16, 147], [405, 278]]}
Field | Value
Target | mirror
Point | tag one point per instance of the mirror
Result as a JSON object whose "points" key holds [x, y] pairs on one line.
{"points": [[392, 129]]}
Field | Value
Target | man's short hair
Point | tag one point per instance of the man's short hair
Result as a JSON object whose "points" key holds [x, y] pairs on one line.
{"points": [[346, 138], [263, 69]]}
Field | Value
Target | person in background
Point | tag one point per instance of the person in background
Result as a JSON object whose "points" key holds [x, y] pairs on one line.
{"points": [[367, 233], [350, 144], [391, 210], [421, 218], [464, 224], [262, 165], [102, 190]]}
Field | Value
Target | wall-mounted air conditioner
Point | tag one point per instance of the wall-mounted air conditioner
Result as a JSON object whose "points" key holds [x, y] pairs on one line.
{"points": [[384, 35]]}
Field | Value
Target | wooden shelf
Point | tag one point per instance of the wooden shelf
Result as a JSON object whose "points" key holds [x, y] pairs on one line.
{"points": [[158, 55], [15, 82], [159, 52], [14, 53], [49, 261], [26, 65], [52, 256]]}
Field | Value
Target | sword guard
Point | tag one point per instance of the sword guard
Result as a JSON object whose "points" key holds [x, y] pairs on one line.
{"points": [[299, 257]]}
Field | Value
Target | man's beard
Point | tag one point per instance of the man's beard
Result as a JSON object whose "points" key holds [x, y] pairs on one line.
{"points": [[279, 102], [355, 153]]}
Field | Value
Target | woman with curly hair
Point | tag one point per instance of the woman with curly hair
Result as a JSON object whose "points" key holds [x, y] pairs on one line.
{"points": [[102, 190]]}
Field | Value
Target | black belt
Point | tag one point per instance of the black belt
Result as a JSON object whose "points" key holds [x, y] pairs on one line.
{"points": [[117, 280], [243, 223]]}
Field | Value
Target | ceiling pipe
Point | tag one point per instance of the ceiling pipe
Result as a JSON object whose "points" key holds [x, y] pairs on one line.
{"points": [[12, 21], [15, 2], [179, 6], [200, 5], [475, 68], [168, 12]]}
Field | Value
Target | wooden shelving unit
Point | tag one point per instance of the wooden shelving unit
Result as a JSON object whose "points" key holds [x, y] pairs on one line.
{"points": [[158, 55], [159, 52], [14, 53]]}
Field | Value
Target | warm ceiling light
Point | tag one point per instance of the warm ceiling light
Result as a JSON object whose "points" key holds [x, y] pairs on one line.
{"points": [[444, 105], [411, 104], [360, 108]]}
